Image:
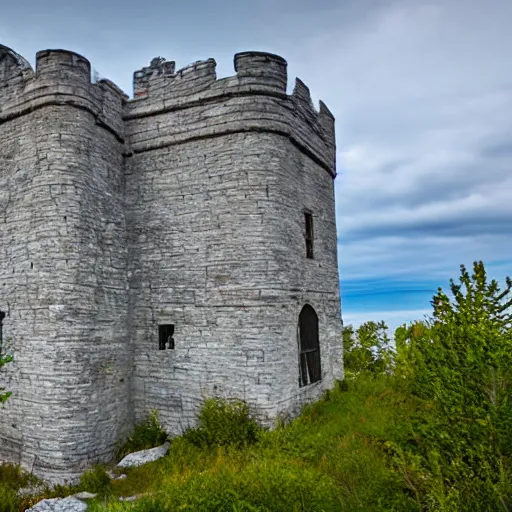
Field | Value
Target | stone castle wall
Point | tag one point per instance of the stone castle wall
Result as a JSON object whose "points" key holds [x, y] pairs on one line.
{"points": [[63, 265], [218, 178], [184, 206]]}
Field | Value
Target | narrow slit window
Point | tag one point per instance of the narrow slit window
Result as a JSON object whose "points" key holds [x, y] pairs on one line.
{"points": [[309, 234], [165, 336], [2, 316], [310, 369]]}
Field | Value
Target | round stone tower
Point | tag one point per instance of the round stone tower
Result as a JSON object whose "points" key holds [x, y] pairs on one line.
{"points": [[230, 209], [62, 263]]}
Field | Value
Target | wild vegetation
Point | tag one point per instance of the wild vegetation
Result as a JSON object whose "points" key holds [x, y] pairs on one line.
{"points": [[4, 359], [420, 424]]}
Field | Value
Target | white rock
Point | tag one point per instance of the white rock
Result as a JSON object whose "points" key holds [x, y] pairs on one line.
{"points": [[136, 459], [129, 498], [84, 495], [69, 504]]}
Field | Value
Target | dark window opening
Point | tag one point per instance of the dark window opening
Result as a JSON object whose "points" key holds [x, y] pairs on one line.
{"points": [[2, 316], [309, 347], [165, 339], [309, 234]]}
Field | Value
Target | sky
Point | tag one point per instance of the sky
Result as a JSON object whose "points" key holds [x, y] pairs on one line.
{"points": [[422, 95]]}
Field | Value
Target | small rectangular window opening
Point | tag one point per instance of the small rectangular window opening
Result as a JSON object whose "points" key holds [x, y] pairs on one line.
{"points": [[165, 339], [2, 316], [309, 234]]}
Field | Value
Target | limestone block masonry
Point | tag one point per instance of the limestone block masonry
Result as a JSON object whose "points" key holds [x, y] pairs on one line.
{"points": [[153, 250]]}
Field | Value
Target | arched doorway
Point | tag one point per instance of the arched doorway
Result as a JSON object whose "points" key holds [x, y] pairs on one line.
{"points": [[310, 369]]}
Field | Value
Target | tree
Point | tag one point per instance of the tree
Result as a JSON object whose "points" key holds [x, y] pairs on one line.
{"points": [[367, 349], [475, 301], [460, 365]]}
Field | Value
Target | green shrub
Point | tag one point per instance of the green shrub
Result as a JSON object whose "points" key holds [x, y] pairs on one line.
{"points": [[9, 501], [13, 478], [96, 480], [4, 359], [224, 423], [459, 364], [146, 434]]}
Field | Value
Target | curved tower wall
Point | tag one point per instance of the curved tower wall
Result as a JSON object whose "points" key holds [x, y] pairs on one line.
{"points": [[63, 264], [219, 175], [183, 207]]}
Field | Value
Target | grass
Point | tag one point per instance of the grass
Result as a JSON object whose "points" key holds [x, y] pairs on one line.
{"points": [[333, 457]]}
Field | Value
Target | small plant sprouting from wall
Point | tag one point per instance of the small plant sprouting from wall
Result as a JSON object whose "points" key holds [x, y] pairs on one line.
{"points": [[4, 359]]}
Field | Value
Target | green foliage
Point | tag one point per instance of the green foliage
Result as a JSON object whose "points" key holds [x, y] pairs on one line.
{"points": [[475, 302], [96, 480], [13, 478], [147, 434], [367, 349], [4, 359], [8, 499], [459, 364], [330, 459], [421, 426], [224, 423], [256, 486]]}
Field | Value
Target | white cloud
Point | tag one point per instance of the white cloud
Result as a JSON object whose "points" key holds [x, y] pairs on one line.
{"points": [[421, 91], [422, 94]]}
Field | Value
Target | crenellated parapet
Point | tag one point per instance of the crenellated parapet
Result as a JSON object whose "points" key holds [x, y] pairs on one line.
{"points": [[61, 78], [254, 99], [261, 69], [193, 103]]}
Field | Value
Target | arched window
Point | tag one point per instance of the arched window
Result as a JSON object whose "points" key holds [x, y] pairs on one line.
{"points": [[309, 347]]}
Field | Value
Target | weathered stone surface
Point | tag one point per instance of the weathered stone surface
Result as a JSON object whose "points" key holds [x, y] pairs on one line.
{"points": [[136, 459], [59, 505], [84, 495], [183, 206], [128, 498]]}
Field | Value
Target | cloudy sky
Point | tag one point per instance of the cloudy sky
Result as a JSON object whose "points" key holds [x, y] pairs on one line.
{"points": [[421, 91]]}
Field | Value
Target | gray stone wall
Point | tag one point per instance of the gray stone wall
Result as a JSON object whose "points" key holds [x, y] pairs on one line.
{"points": [[184, 206], [218, 179], [63, 267]]}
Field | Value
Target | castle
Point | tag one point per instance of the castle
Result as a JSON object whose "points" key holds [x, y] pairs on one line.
{"points": [[160, 249]]}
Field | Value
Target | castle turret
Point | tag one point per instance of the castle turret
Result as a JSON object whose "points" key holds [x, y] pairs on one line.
{"points": [[63, 266], [232, 235]]}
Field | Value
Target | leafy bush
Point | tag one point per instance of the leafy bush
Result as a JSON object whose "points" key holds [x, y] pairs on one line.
{"points": [[223, 423], [459, 364], [4, 359], [147, 434], [13, 478], [96, 480], [8, 499]]}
